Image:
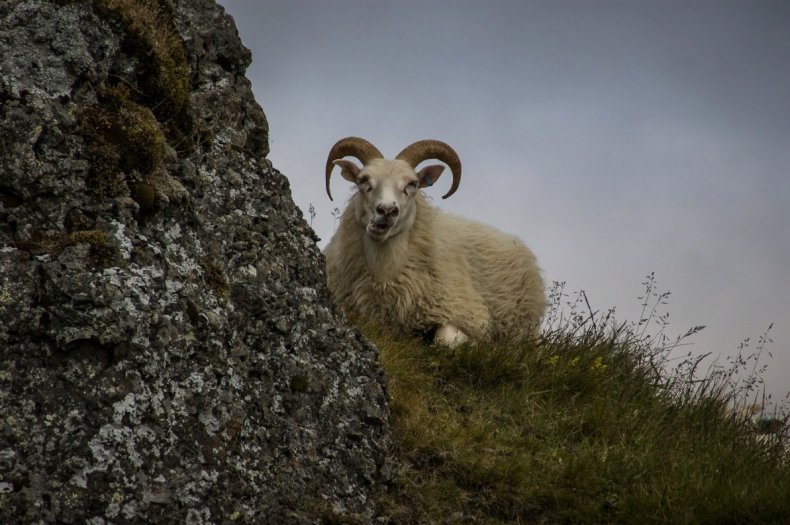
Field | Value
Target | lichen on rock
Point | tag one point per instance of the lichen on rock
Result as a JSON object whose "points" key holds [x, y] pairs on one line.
{"points": [[168, 348]]}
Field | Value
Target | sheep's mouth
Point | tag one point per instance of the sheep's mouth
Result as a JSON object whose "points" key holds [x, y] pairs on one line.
{"points": [[379, 228]]}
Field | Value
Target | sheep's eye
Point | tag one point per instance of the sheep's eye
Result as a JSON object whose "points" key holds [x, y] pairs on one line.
{"points": [[411, 187], [364, 184]]}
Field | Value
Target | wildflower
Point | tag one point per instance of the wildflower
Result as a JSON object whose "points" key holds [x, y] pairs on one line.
{"points": [[597, 365]]}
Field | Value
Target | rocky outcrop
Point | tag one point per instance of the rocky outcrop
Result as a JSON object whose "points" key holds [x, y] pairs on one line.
{"points": [[168, 348]]}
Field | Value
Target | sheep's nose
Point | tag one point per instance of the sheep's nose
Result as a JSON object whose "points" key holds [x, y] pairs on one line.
{"points": [[390, 210]]}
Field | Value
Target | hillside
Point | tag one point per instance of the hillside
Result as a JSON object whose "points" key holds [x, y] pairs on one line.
{"points": [[584, 426]]}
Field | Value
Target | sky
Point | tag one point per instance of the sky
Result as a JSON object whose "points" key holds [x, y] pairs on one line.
{"points": [[614, 138]]}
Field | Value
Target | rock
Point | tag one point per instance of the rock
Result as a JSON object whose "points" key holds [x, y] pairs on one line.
{"points": [[168, 348]]}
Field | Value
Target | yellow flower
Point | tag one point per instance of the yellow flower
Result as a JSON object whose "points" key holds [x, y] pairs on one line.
{"points": [[598, 365]]}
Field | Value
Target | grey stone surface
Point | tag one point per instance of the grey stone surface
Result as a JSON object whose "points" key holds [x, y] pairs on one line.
{"points": [[168, 348]]}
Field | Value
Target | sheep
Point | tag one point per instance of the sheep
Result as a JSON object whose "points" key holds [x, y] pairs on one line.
{"points": [[399, 261]]}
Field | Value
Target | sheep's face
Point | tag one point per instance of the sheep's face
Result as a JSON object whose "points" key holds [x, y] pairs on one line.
{"points": [[387, 188]]}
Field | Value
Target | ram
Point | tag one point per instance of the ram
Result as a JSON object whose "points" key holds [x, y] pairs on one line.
{"points": [[399, 261]]}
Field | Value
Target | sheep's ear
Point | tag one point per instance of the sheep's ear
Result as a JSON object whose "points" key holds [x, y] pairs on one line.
{"points": [[349, 170], [429, 175]]}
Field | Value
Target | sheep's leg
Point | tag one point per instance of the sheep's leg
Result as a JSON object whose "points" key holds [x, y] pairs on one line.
{"points": [[450, 336]]}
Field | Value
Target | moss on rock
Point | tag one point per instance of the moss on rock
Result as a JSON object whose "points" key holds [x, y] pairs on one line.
{"points": [[102, 252], [124, 140], [136, 117], [215, 278], [151, 36]]}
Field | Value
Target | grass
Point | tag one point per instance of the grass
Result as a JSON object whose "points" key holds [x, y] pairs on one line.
{"points": [[136, 116], [586, 425], [151, 34]]}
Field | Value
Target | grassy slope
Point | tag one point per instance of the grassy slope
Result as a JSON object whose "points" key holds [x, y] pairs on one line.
{"points": [[576, 428]]}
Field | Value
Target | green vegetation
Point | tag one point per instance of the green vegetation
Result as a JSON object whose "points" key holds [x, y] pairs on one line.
{"points": [[122, 138], [101, 253], [586, 425], [215, 277], [136, 117], [163, 85]]}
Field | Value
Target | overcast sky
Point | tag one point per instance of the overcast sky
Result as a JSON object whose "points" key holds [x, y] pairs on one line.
{"points": [[615, 138]]}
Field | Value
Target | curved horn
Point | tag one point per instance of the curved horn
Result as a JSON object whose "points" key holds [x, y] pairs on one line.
{"points": [[434, 149], [353, 146]]}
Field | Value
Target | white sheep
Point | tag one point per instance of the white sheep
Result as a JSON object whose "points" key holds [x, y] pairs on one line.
{"points": [[399, 261]]}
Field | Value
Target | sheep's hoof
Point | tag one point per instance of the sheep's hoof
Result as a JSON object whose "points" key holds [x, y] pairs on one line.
{"points": [[450, 336]]}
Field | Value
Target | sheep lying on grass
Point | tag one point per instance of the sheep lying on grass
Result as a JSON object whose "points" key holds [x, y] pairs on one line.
{"points": [[398, 260]]}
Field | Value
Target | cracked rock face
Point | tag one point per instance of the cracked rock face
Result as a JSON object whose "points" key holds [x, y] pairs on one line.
{"points": [[168, 348]]}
